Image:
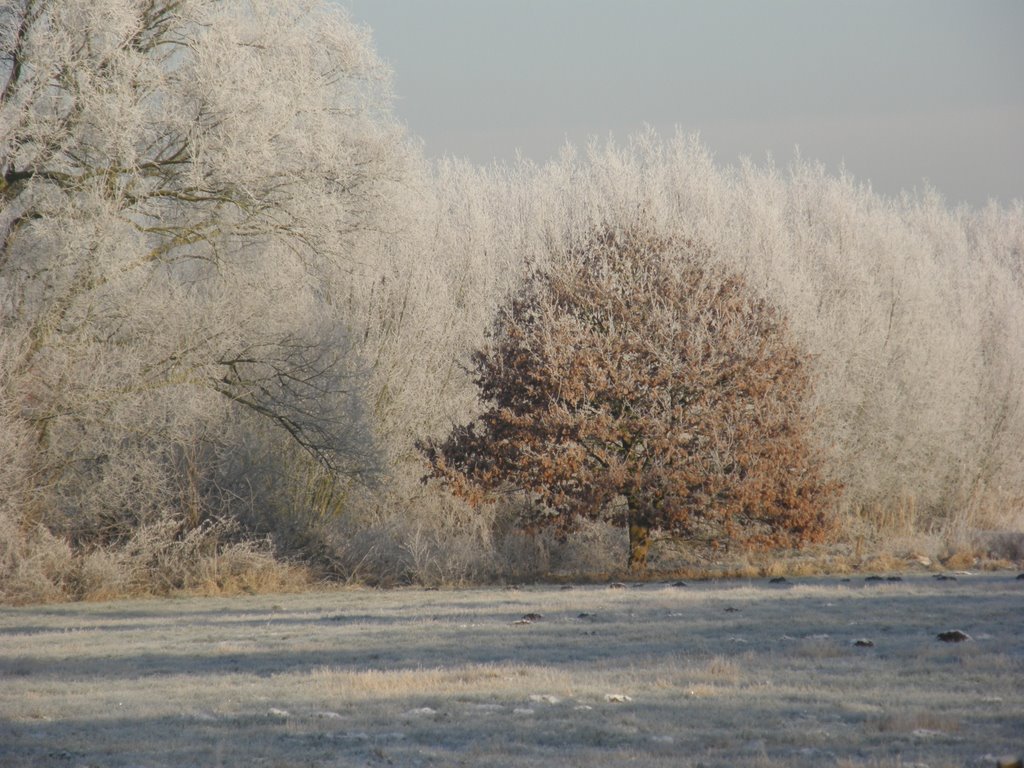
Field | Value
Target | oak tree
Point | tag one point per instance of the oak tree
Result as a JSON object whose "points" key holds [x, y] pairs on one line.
{"points": [[633, 380]]}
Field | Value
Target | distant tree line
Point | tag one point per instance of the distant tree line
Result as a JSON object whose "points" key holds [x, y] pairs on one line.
{"points": [[239, 309]]}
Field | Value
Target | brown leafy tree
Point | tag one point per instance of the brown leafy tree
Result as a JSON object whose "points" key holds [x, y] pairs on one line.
{"points": [[636, 382]]}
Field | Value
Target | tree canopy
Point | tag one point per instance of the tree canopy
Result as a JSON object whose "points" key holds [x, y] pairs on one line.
{"points": [[633, 380], [181, 182]]}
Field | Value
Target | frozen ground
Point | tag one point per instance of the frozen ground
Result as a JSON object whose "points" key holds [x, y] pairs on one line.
{"points": [[713, 674]]}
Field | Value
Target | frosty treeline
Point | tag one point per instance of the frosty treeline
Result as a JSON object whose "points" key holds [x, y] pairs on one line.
{"points": [[234, 296]]}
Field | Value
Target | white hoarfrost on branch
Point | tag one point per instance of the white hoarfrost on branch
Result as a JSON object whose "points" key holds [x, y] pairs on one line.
{"points": [[184, 183]]}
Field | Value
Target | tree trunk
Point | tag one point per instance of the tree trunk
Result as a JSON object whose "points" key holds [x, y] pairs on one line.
{"points": [[639, 544]]}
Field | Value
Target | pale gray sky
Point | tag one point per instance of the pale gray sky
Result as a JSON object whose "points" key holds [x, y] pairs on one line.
{"points": [[899, 90]]}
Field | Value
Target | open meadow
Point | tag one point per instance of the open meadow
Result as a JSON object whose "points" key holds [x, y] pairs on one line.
{"points": [[709, 673]]}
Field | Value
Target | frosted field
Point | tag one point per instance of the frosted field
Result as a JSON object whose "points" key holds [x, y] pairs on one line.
{"points": [[713, 674]]}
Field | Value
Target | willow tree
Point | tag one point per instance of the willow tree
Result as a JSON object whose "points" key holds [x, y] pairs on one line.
{"points": [[631, 380], [181, 185]]}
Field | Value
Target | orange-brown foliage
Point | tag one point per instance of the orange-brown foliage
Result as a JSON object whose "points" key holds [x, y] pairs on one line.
{"points": [[635, 381]]}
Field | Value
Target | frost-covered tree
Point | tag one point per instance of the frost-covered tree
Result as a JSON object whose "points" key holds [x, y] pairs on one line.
{"points": [[912, 311], [182, 186]]}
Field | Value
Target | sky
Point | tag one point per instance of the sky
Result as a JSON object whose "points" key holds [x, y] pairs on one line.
{"points": [[902, 93]]}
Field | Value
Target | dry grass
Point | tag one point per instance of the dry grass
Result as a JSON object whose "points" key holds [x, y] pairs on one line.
{"points": [[39, 567], [897, 762], [723, 668], [458, 680], [741, 673], [921, 722], [158, 560]]}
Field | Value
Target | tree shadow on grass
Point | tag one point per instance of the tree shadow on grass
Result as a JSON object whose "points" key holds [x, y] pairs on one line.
{"points": [[279, 655]]}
